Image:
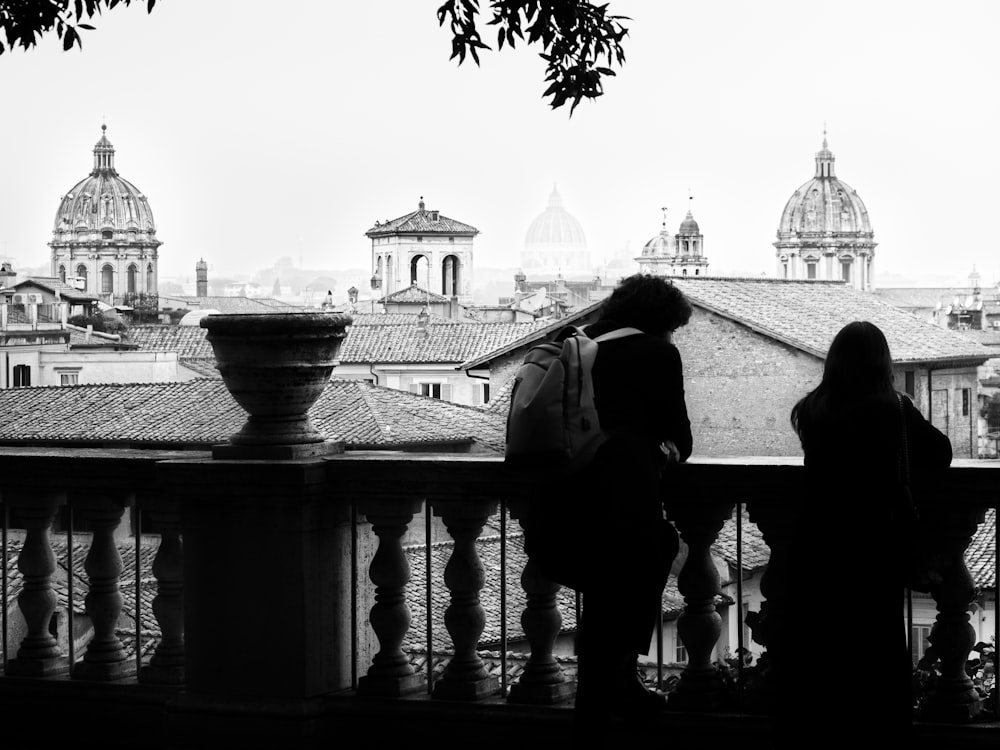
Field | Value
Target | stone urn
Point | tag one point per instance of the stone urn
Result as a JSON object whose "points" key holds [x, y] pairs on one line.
{"points": [[276, 365]]}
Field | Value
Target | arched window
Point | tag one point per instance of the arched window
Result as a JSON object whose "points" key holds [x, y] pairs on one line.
{"points": [[81, 272], [450, 276], [420, 267], [62, 274], [107, 280], [131, 279], [150, 286]]}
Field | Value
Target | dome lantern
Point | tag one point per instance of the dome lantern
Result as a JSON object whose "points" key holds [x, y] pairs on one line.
{"points": [[104, 155]]}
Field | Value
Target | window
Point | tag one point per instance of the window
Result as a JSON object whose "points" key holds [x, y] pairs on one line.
{"points": [[107, 280], [966, 398], [845, 270], [810, 270], [680, 653], [22, 376], [69, 377], [433, 390], [784, 270], [481, 394], [910, 387], [106, 234]]}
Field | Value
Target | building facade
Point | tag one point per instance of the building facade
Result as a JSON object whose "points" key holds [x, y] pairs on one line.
{"points": [[104, 237], [825, 232], [423, 247]]}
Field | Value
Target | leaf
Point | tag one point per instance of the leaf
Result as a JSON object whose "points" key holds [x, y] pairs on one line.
{"points": [[68, 38], [86, 26]]}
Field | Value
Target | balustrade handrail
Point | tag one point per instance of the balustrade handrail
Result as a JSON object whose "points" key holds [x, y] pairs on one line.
{"points": [[197, 493]]}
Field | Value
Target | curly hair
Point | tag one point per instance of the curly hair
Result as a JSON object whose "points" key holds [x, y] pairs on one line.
{"points": [[650, 303]]}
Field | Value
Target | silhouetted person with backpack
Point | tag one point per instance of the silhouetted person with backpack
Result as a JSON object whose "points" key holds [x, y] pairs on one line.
{"points": [[842, 669], [626, 545]]}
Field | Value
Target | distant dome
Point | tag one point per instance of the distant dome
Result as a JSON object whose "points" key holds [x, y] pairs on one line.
{"points": [[661, 244], [555, 225], [824, 232], [689, 225], [104, 201], [104, 239], [555, 242], [825, 204]]}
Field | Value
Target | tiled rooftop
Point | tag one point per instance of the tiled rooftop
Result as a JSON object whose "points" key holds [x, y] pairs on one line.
{"points": [[228, 305], [201, 412], [185, 341], [420, 222], [444, 343], [808, 314], [413, 293]]}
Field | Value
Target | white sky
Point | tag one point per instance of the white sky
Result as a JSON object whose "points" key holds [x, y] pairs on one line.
{"points": [[261, 129]]}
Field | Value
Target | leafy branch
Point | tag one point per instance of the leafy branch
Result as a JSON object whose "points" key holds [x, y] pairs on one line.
{"points": [[580, 41], [23, 22]]}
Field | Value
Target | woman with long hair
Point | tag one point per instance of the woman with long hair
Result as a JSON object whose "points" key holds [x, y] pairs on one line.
{"points": [[841, 661]]}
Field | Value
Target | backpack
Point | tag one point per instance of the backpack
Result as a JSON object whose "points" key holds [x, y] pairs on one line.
{"points": [[552, 422]]}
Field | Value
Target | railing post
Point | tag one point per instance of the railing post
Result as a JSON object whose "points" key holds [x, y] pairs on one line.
{"points": [[390, 673], [542, 681], [104, 658], [952, 698], [465, 676], [701, 686], [39, 654], [166, 665], [774, 522]]}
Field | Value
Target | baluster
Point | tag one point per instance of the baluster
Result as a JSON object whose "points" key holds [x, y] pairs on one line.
{"points": [[105, 657], [774, 524], [953, 698], [390, 673], [699, 626], [542, 681], [39, 653], [166, 665], [465, 676]]}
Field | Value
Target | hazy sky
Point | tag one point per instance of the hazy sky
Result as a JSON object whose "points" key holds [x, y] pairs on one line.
{"points": [[262, 129]]}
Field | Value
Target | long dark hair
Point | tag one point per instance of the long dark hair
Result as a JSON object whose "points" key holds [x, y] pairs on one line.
{"points": [[858, 369]]}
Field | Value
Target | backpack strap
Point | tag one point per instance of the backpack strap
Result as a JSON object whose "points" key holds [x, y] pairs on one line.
{"points": [[618, 333]]}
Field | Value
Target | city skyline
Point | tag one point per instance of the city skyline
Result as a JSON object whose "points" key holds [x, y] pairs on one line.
{"points": [[256, 137]]}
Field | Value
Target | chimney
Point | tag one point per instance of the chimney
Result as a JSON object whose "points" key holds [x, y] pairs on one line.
{"points": [[201, 278]]}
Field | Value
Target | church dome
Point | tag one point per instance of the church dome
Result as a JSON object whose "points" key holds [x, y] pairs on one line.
{"points": [[689, 225], [660, 244], [555, 226], [825, 205], [104, 203]]}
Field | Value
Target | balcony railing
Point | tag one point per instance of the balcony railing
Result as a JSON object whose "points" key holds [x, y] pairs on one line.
{"points": [[274, 601]]}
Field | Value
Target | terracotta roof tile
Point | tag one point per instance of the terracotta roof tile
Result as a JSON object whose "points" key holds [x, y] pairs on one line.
{"points": [[808, 314], [444, 343], [413, 293], [421, 222], [185, 341], [201, 412]]}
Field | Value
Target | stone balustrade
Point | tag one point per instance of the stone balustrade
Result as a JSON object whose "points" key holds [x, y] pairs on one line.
{"points": [[281, 585]]}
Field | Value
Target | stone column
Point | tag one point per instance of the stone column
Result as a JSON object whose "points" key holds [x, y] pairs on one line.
{"points": [[390, 673], [39, 654], [465, 676]]}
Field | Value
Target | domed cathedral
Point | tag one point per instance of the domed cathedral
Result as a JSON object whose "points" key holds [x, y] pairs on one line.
{"points": [[555, 245], [104, 237], [680, 255], [825, 232], [425, 248]]}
